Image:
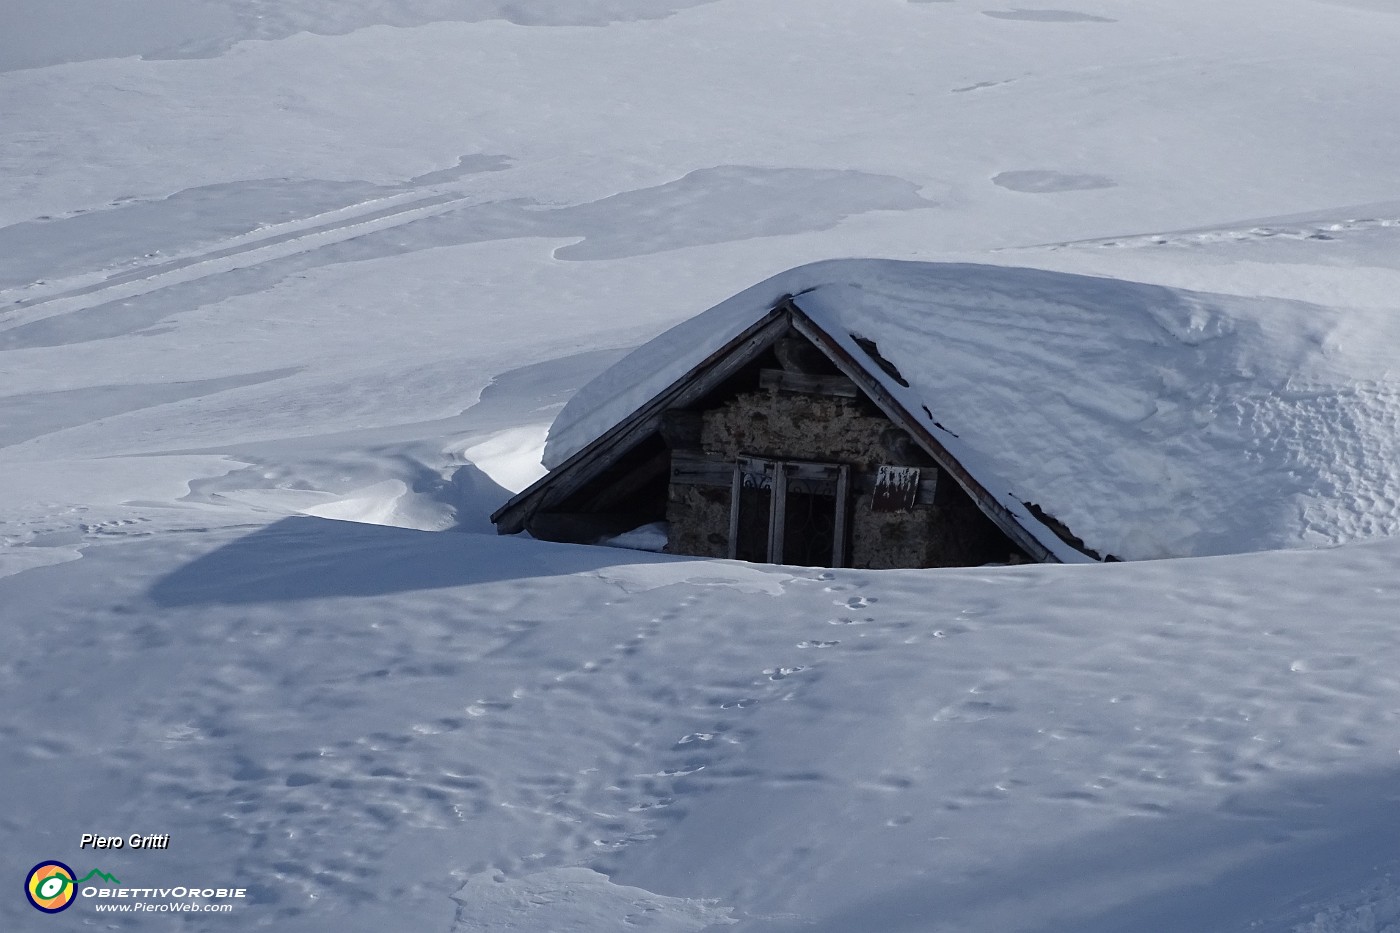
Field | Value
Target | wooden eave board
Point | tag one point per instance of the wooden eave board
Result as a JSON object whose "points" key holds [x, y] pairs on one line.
{"points": [[614, 443]]}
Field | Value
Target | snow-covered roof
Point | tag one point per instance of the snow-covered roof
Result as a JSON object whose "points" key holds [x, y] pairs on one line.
{"points": [[1153, 422]]}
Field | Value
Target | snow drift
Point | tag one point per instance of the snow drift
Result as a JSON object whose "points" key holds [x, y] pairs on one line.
{"points": [[1154, 422]]}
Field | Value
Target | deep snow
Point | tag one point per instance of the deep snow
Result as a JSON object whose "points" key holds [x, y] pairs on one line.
{"points": [[1154, 422], [297, 262]]}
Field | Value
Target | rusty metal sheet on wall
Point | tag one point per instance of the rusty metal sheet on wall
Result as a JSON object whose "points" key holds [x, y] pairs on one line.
{"points": [[896, 488]]}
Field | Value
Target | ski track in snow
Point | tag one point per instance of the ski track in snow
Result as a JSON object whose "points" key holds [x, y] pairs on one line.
{"points": [[1319, 231], [687, 211], [240, 252]]}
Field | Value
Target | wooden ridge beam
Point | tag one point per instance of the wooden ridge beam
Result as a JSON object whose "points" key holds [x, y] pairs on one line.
{"points": [[782, 381]]}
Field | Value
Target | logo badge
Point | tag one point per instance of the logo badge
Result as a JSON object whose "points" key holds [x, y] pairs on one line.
{"points": [[50, 887]]}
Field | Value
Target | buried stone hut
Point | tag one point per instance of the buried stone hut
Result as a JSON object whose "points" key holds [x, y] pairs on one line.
{"points": [[878, 414]]}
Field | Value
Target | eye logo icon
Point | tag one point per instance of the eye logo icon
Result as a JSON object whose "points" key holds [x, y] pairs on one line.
{"points": [[50, 887]]}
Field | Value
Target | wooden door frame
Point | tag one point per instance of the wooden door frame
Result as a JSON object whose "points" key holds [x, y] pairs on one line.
{"points": [[782, 471]]}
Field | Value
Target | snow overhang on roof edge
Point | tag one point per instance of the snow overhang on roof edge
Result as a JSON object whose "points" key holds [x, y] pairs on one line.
{"points": [[899, 402], [1153, 421], [905, 406]]}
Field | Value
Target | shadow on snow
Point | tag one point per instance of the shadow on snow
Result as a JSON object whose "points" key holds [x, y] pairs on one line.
{"points": [[302, 557]]}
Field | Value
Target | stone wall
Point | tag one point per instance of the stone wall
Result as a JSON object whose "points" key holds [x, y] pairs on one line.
{"points": [[829, 429], [791, 426], [699, 517], [880, 540]]}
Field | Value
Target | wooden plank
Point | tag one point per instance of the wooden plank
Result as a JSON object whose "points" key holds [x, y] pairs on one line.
{"points": [[579, 528], [839, 534], [782, 381], [735, 498], [777, 514], [758, 465], [695, 468], [812, 472], [792, 469]]}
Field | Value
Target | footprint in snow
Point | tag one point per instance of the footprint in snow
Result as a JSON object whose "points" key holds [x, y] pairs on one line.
{"points": [[779, 673], [675, 772], [660, 803], [696, 737]]}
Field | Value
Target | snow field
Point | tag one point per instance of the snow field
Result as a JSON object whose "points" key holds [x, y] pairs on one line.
{"points": [[364, 717], [306, 259]]}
